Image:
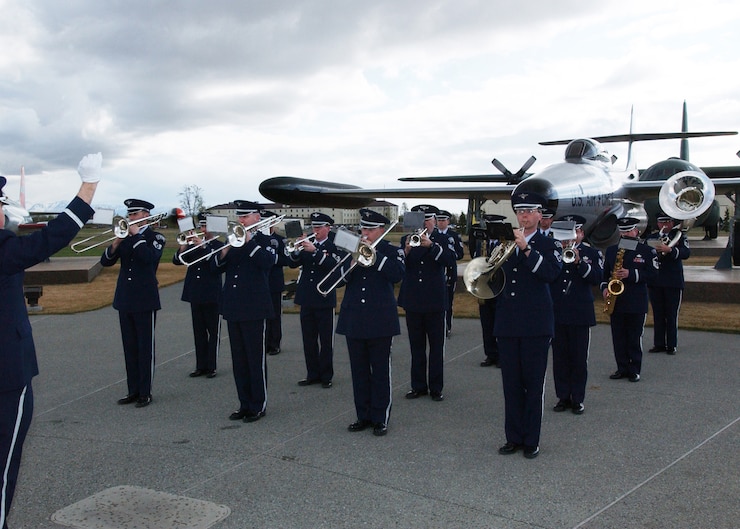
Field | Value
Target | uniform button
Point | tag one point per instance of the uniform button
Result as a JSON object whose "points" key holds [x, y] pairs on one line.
{"points": [[362, 301], [363, 289], [513, 281], [513, 294]]}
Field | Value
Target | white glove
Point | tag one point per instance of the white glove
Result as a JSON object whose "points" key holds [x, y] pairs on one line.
{"points": [[89, 168]]}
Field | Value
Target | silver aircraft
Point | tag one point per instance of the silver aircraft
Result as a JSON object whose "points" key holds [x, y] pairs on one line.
{"points": [[586, 183]]}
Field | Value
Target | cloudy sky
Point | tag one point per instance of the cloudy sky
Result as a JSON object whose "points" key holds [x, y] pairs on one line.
{"points": [[224, 94]]}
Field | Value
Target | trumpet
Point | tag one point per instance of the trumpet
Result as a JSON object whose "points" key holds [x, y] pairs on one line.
{"points": [[569, 252], [415, 238], [120, 230], [188, 237], [297, 245], [364, 255]]}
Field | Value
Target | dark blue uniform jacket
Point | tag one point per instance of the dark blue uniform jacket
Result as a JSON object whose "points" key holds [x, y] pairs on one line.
{"points": [[369, 308], [524, 307], [17, 352], [137, 289]]}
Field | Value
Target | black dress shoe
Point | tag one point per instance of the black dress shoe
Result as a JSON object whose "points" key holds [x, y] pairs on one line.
{"points": [[670, 350], [437, 397], [273, 352], [238, 415], [197, 373], [489, 362], [530, 452], [617, 375], [578, 408], [415, 394], [252, 416], [308, 382], [128, 399], [657, 349], [635, 377], [509, 448], [359, 426], [380, 429], [210, 374], [326, 385], [143, 402], [562, 405]]}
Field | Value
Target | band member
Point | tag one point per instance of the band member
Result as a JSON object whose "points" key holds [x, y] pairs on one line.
{"points": [[548, 215], [423, 295], [666, 291], [18, 363], [524, 325], [368, 318], [487, 307], [573, 302], [202, 289], [137, 298], [245, 305], [317, 258], [633, 265], [454, 243], [274, 330]]}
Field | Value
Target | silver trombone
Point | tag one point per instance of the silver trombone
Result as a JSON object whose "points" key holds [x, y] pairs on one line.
{"points": [[120, 230], [359, 251], [237, 237]]}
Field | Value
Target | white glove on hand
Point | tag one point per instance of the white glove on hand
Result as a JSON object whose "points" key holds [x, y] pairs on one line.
{"points": [[89, 168]]}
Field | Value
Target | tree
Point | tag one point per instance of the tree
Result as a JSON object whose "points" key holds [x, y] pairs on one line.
{"points": [[462, 222], [191, 200]]}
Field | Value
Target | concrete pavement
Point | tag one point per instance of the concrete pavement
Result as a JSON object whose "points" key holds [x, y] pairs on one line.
{"points": [[659, 453]]}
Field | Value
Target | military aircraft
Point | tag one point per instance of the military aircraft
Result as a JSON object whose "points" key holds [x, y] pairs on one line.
{"points": [[586, 183]]}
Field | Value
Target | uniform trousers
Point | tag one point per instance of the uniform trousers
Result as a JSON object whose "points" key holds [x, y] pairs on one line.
{"points": [[247, 339], [666, 303], [137, 334], [523, 362], [423, 326], [275, 325], [370, 363], [317, 328], [207, 334], [450, 299], [570, 347], [487, 314], [627, 340], [16, 410]]}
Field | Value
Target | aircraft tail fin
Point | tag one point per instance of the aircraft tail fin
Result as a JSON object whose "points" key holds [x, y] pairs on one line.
{"points": [[630, 160], [685, 128]]}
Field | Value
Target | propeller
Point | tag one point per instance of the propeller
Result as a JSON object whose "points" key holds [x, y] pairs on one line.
{"points": [[514, 178]]}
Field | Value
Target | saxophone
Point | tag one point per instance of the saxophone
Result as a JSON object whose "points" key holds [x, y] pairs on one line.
{"points": [[615, 286]]}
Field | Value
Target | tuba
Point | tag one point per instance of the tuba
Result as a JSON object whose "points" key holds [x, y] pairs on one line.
{"points": [[615, 286]]}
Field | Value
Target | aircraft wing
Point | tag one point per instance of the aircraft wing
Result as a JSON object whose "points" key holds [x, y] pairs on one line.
{"points": [[300, 191], [497, 178]]}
